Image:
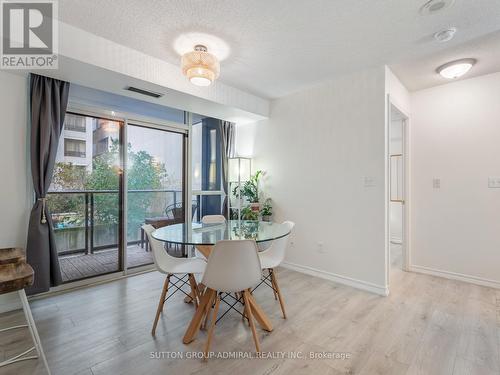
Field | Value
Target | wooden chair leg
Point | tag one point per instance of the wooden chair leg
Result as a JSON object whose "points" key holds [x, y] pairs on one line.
{"points": [[278, 291], [161, 303], [274, 288], [194, 290], [210, 305], [194, 325], [250, 319], [212, 326]]}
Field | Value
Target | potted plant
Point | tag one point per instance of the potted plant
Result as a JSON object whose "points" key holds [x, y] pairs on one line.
{"points": [[250, 191], [247, 213], [267, 210]]}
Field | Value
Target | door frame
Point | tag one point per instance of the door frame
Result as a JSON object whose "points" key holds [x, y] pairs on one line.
{"points": [[406, 151]]}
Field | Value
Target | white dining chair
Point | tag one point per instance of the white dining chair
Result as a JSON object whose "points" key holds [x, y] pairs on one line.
{"points": [[209, 219], [177, 268], [272, 258], [213, 219], [233, 267]]}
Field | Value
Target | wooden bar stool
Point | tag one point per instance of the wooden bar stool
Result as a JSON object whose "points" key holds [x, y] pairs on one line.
{"points": [[15, 275]]}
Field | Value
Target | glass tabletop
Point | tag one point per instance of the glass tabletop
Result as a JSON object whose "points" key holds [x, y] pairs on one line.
{"points": [[209, 234]]}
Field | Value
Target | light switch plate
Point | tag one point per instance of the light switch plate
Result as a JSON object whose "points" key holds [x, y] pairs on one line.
{"points": [[494, 182], [369, 181], [436, 183]]}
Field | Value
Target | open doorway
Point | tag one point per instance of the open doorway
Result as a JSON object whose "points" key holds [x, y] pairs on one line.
{"points": [[398, 249]]}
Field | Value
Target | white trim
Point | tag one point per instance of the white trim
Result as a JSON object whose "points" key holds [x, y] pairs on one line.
{"points": [[188, 169], [80, 107], [456, 276], [92, 281], [405, 241], [355, 283], [124, 226]]}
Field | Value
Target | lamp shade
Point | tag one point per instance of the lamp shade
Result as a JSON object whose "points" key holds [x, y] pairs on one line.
{"points": [[239, 169], [201, 67]]}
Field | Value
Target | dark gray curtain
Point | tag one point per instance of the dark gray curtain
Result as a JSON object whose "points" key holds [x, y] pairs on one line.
{"points": [[49, 99], [227, 130]]}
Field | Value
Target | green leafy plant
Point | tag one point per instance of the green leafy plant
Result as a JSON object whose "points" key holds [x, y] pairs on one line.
{"points": [[267, 208], [248, 214], [250, 189]]}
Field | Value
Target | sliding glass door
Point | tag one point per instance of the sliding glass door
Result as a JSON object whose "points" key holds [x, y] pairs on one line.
{"points": [[155, 185], [114, 174], [85, 197]]}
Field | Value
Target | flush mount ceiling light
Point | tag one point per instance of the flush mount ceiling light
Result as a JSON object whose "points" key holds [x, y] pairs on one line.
{"points": [[455, 69], [435, 6], [200, 66], [445, 35]]}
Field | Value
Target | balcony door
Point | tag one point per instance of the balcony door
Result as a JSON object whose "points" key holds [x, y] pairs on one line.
{"points": [[86, 197], [155, 185]]}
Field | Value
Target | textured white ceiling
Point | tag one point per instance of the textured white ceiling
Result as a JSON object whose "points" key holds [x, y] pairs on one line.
{"points": [[282, 46], [421, 73]]}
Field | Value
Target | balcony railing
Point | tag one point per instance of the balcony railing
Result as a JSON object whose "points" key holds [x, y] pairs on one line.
{"points": [[76, 154], [88, 220]]}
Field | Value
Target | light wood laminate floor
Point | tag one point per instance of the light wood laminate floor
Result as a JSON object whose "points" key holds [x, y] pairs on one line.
{"points": [[427, 325]]}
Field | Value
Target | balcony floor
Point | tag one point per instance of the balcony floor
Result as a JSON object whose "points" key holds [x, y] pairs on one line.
{"points": [[78, 266]]}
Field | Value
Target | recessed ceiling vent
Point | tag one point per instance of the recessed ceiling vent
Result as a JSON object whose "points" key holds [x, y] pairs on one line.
{"points": [[435, 6], [151, 94]]}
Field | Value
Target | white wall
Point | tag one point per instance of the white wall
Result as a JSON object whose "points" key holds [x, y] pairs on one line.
{"points": [[455, 135], [15, 189], [316, 149], [399, 95]]}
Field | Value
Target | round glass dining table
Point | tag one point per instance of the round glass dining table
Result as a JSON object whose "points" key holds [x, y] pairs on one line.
{"points": [[204, 237], [199, 234]]}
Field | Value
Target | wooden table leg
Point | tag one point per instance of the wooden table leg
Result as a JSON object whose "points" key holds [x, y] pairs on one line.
{"points": [[205, 249], [195, 324], [259, 314]]}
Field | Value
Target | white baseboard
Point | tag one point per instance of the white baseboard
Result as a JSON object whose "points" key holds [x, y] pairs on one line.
{"points": [[456, 276], [358, 284]]}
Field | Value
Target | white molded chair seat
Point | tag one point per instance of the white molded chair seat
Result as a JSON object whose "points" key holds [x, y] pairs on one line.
{"points": [[166, 263], [172, 266], [213, 219], [209, 219], [275, 254], [233, 267], [272, 258], [269, 259]]}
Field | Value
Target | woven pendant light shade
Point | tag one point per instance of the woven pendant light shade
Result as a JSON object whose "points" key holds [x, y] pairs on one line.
{"points": [[201, 67]]}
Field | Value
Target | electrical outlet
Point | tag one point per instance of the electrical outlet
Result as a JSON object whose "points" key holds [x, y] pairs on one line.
{"points": [[494, 182], [436, 183]]}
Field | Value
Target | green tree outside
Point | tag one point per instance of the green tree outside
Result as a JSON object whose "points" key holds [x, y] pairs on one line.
{"points": [[144, 173]]}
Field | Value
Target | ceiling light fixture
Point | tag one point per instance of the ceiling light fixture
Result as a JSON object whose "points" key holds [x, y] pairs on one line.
{"points": [[201, 67], [445, 35], [434, 6], [456, 69]]}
